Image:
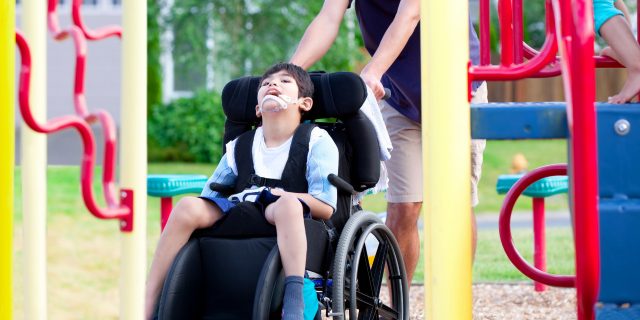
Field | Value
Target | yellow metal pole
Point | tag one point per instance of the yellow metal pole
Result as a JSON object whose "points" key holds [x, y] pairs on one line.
{"points": [[134, 155], [446, 151], [7, 132], [34, 165]]}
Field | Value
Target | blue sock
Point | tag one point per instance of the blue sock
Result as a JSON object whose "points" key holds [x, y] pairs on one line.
{"points": [[293, 303]]}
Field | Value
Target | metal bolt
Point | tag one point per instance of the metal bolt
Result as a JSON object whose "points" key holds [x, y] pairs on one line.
{"points": [[123, 194], [622, 127], [123, 223]]}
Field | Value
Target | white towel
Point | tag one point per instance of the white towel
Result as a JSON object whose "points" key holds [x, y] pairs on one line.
{"points": [[372, 110]]}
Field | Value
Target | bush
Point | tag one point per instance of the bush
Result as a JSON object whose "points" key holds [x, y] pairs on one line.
{"points": [[187, 129]]}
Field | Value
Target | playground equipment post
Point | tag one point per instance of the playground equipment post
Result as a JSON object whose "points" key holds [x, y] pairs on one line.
{"points": [[133, 164], [33, 160], [7, 132], [445, 152]]}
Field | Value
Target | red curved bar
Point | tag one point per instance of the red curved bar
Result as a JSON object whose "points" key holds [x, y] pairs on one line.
{"points": [[114, 210], [102, 33], [80, 105], [576, 37], [526, 69], [504, 223]]}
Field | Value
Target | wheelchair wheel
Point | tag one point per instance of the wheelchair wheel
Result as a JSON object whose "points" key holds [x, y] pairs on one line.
{"points": [[357, 280], [270, 288]]}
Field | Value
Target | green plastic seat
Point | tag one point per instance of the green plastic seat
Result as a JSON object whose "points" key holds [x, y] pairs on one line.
{"points": [[542, 188], [170, 185]]}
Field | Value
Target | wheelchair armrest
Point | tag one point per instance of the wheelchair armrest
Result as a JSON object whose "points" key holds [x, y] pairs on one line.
{"points": [[224, 189], [341, 184]]}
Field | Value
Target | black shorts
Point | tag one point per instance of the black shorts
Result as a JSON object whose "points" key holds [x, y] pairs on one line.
{"points": [[244, 220]]}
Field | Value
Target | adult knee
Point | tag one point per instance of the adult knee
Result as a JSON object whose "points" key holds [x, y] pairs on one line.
{"points": [[402, 216]]}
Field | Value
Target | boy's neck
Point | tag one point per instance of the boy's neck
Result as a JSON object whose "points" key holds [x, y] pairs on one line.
{"points": [[278, 132]]}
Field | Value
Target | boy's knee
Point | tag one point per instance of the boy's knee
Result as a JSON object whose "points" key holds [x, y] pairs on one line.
{"points": [[288, 205], [188, 211]]}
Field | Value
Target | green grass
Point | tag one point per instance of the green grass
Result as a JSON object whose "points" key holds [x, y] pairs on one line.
{"points": [[497, 161], [492, 265], [83, 253]]}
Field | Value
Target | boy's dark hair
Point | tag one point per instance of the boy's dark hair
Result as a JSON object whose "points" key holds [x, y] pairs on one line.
{"points": [[305, 86]]}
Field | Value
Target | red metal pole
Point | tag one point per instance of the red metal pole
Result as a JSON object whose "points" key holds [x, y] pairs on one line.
{"points": [[166, 205], [485, 33], [518, 32], [539, 244], [576, 37], [505, 12]]}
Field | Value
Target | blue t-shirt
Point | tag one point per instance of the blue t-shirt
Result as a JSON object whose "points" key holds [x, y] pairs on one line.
{"points": [[322, 160], [403, 77]]}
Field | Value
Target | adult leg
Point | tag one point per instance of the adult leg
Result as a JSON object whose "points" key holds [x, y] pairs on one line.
{"points": [[402, 219], [404, 195], [189, 214], [477, 151], [618, 35]]}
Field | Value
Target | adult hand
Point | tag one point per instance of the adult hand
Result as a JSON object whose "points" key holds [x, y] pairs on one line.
{"points": [[374, 83]]}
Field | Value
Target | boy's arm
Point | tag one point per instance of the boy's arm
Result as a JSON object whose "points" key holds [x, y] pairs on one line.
{"points": [[395, 38], [619, 4], [223, 175], [322, 160], [319, 209], [320, 34]]}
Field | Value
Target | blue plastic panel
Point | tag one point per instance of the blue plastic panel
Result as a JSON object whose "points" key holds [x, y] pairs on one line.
{"points": [[617, 312], [501, 121], [619, 155], [529, 120], [619, 251]]}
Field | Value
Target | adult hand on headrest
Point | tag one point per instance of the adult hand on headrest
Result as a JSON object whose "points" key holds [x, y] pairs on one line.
{"points": [[373, 82]]}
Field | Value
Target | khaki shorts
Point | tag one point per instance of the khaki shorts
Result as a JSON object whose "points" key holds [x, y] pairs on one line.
{"points": [[405, 166]]}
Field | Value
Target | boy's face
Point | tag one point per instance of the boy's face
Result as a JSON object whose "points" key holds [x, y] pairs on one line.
{"points": [[281, 84]]}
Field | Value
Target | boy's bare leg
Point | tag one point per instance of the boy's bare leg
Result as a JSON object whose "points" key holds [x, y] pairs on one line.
{"points": [[190, 213], [619, 37], [402, 219], [286, 215]]}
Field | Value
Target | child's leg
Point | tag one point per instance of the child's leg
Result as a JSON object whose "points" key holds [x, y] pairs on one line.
{"points": [[286, 215], [626, 50], [190, 213]]}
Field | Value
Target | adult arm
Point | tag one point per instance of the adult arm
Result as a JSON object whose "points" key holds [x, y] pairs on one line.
{"points": [[394, 40], [320, 34]]}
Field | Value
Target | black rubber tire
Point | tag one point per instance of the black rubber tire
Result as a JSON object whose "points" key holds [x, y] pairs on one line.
{"points": [[268, 297], [351, 266]]}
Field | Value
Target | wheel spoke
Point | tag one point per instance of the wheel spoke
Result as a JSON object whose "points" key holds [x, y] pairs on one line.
{"points": [[387, 312], [365, 277], [377, 270]]}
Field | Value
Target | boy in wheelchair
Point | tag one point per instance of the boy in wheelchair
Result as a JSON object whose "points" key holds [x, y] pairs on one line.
{"points": [[267, 189]]}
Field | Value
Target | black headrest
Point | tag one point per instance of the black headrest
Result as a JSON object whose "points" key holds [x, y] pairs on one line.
{"points": [[335, 95]]}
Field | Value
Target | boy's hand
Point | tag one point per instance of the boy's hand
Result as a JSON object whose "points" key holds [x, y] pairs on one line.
{"points": [[277, 192]]}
